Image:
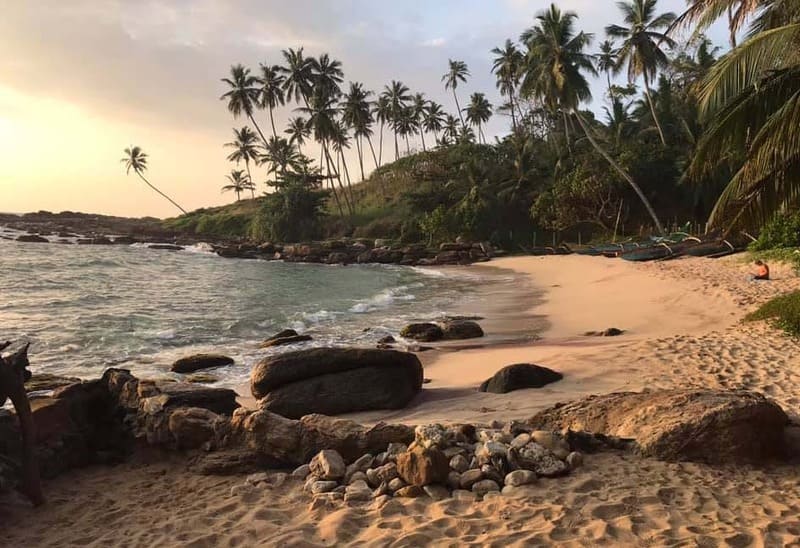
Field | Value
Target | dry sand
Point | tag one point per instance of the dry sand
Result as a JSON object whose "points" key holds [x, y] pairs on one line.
{"points": [[682, 322]]}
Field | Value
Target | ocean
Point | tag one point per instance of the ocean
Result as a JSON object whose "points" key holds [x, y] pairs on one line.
{"points": [[85, 308]]}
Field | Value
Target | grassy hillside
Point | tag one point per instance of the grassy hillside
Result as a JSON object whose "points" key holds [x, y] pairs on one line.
{"points": [[229, 221]]}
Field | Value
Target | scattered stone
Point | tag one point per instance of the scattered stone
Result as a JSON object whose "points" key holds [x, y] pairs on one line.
{"points": [[388, 339], [381, 490], [574, 460], [521, 441], [423, 466], [422, 332], [356, 477], [323, 487], [387, 472], [459, 463], [328, 465], [395, 449], [454, 480], [519, 376], [190, 364], [255, 479], [553, 442], [520, 477], [535, 457], [201, 378], [432, 435], [469, 478], [357, 491], [410, 491], [396, 484], [287, 336], [483, 487]]}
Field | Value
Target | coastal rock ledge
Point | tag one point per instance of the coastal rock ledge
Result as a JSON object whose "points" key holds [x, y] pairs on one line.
{"points": [[331, 381], [711, 426]]}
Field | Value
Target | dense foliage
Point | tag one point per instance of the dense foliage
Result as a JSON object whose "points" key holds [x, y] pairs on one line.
{"points": [[782, 311]]}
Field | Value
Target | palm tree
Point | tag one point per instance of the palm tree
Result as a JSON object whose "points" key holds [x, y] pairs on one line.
{"points": [[397, 96], [458, 72], [506, 66], [419, 104], [136, 159], [553, 75], [356, 114], [238, 182], [433, 119], [383, 113], [641, 45], [479, 111], [243, 95], [703, 13], [405, 125], [298, 75], [282, 156], [271, 93], [298, 131], [327, 76], [607, 63], [450, 134], [245, 149], [751, 99]]}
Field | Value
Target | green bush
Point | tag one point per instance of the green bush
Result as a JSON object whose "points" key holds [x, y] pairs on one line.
{"points": [[783, 312], [782, 231]]}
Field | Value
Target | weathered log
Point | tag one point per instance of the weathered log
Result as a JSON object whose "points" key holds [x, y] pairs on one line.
{"points": [[13, 374]]}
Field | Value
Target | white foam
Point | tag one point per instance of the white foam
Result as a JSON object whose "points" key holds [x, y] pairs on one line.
{"points": [[384, 299]]}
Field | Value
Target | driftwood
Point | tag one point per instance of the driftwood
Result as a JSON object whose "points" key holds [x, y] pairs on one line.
{"points": [[13, 374]]}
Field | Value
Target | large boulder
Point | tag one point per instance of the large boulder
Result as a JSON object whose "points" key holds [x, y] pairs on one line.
{"points": [[190, 364], [712, 426], [423, 465], [461, 329], [287, 336], [423, 332], [176, 394], [331, 381], [518, 376]]}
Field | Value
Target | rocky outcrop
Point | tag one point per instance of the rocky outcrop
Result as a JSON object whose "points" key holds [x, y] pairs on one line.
{"points": [[423, 332], [519, 376], [450, 329], [332, 381], [461, 329], [711, 426], [287, 336], [196, 362]]}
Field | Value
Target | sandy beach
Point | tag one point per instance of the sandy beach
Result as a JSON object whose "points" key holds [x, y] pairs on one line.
{"points": [[682, 323]]}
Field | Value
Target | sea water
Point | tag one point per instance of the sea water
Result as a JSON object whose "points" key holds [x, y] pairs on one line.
{"points": [[85, 308]]}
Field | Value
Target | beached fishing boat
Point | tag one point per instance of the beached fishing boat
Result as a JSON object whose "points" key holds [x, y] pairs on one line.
{"points": [[662, 250], [707, 249]]}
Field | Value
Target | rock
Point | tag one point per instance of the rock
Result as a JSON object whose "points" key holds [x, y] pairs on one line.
{"points": [[46, 381], [711, 426], [423, 332], [124, 240], [219, 400], [423, 466], [165, 247], [612, 332], [553, 442], [361, 464], [483, 487], [193, 363], [386, 473], [470, 477], [521, 441], [396, 484], [520, 477], [410, 491], [331, 381], [394, 449], [328, 465], [201, 378], [518, 376], [227, 463], [538, 459], [287, 336], [492, 495], [490, 451], [437, 492], [388, 339], [301, 471], [453, 480], [432, 435], [357, 491], [192, 427], [493, 473], [32, 238], [463, 495], [357, 476], [255, 479], [574, 460], [323, 487], [461, 329], [459, 463], [380, 491]]}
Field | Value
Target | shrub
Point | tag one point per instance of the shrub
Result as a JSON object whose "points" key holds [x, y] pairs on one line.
{"points": [[782, 231], [783, 312]]}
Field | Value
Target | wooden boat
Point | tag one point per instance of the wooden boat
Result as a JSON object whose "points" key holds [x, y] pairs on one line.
{"points": [[661, 251]]}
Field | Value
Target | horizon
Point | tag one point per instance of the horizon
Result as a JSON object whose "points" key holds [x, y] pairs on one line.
{"points": [[60, 145]]}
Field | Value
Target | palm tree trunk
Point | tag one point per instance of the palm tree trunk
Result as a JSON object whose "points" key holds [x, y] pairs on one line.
{"points": [[330, 181], [338, 176], [422, 136], [731, 30], [349, 182], [408, 148], [458, 108], [653, 109], [252, 188], [139, 173], [396, 148], [511, 102], [621, 171], [481, 135], [360, 149], [610, 89], [380, 148], [272, 121], [258, 129], [374, 158], [566, 133]]}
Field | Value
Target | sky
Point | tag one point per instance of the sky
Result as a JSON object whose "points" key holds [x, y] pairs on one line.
{"points": [[81, 80]]}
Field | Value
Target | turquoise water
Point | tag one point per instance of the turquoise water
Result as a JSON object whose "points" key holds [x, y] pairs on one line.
{"points": [[86, 308]]}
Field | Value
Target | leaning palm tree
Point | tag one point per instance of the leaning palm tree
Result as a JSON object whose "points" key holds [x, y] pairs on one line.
{"points": [[751, 99], [641, 45], [238, 182], [450, 131], [458, 71], [298, 131], [298, 75], [327, 76], [479, 111], [405, 124], [607, 63], [245, 149], [419, 104], [703, 13], [271, 93], [553, 75], [243, 96], [506, 66], [356, 114], [382, 110], [136, 159], [397, 96], [434, 118]]}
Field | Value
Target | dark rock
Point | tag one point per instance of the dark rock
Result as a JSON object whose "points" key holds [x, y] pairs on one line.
{"points": [[712, 426], [193, 427], [190, 364], [201, 378], [125, 240], [338, 257], [461, 329], [422, 466], [46, 381], [32, 238], [518, 376], [388, 339], [287, 336], [219, 400], [424, 332], [336, 380], [612, 332], [229, 463], [167, 247]]}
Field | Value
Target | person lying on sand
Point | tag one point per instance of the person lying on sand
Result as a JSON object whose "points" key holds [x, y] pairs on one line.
{"points": [[763, 271]]}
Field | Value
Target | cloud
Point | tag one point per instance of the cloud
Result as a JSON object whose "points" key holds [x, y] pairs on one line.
{"points": [[434, 43]]}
